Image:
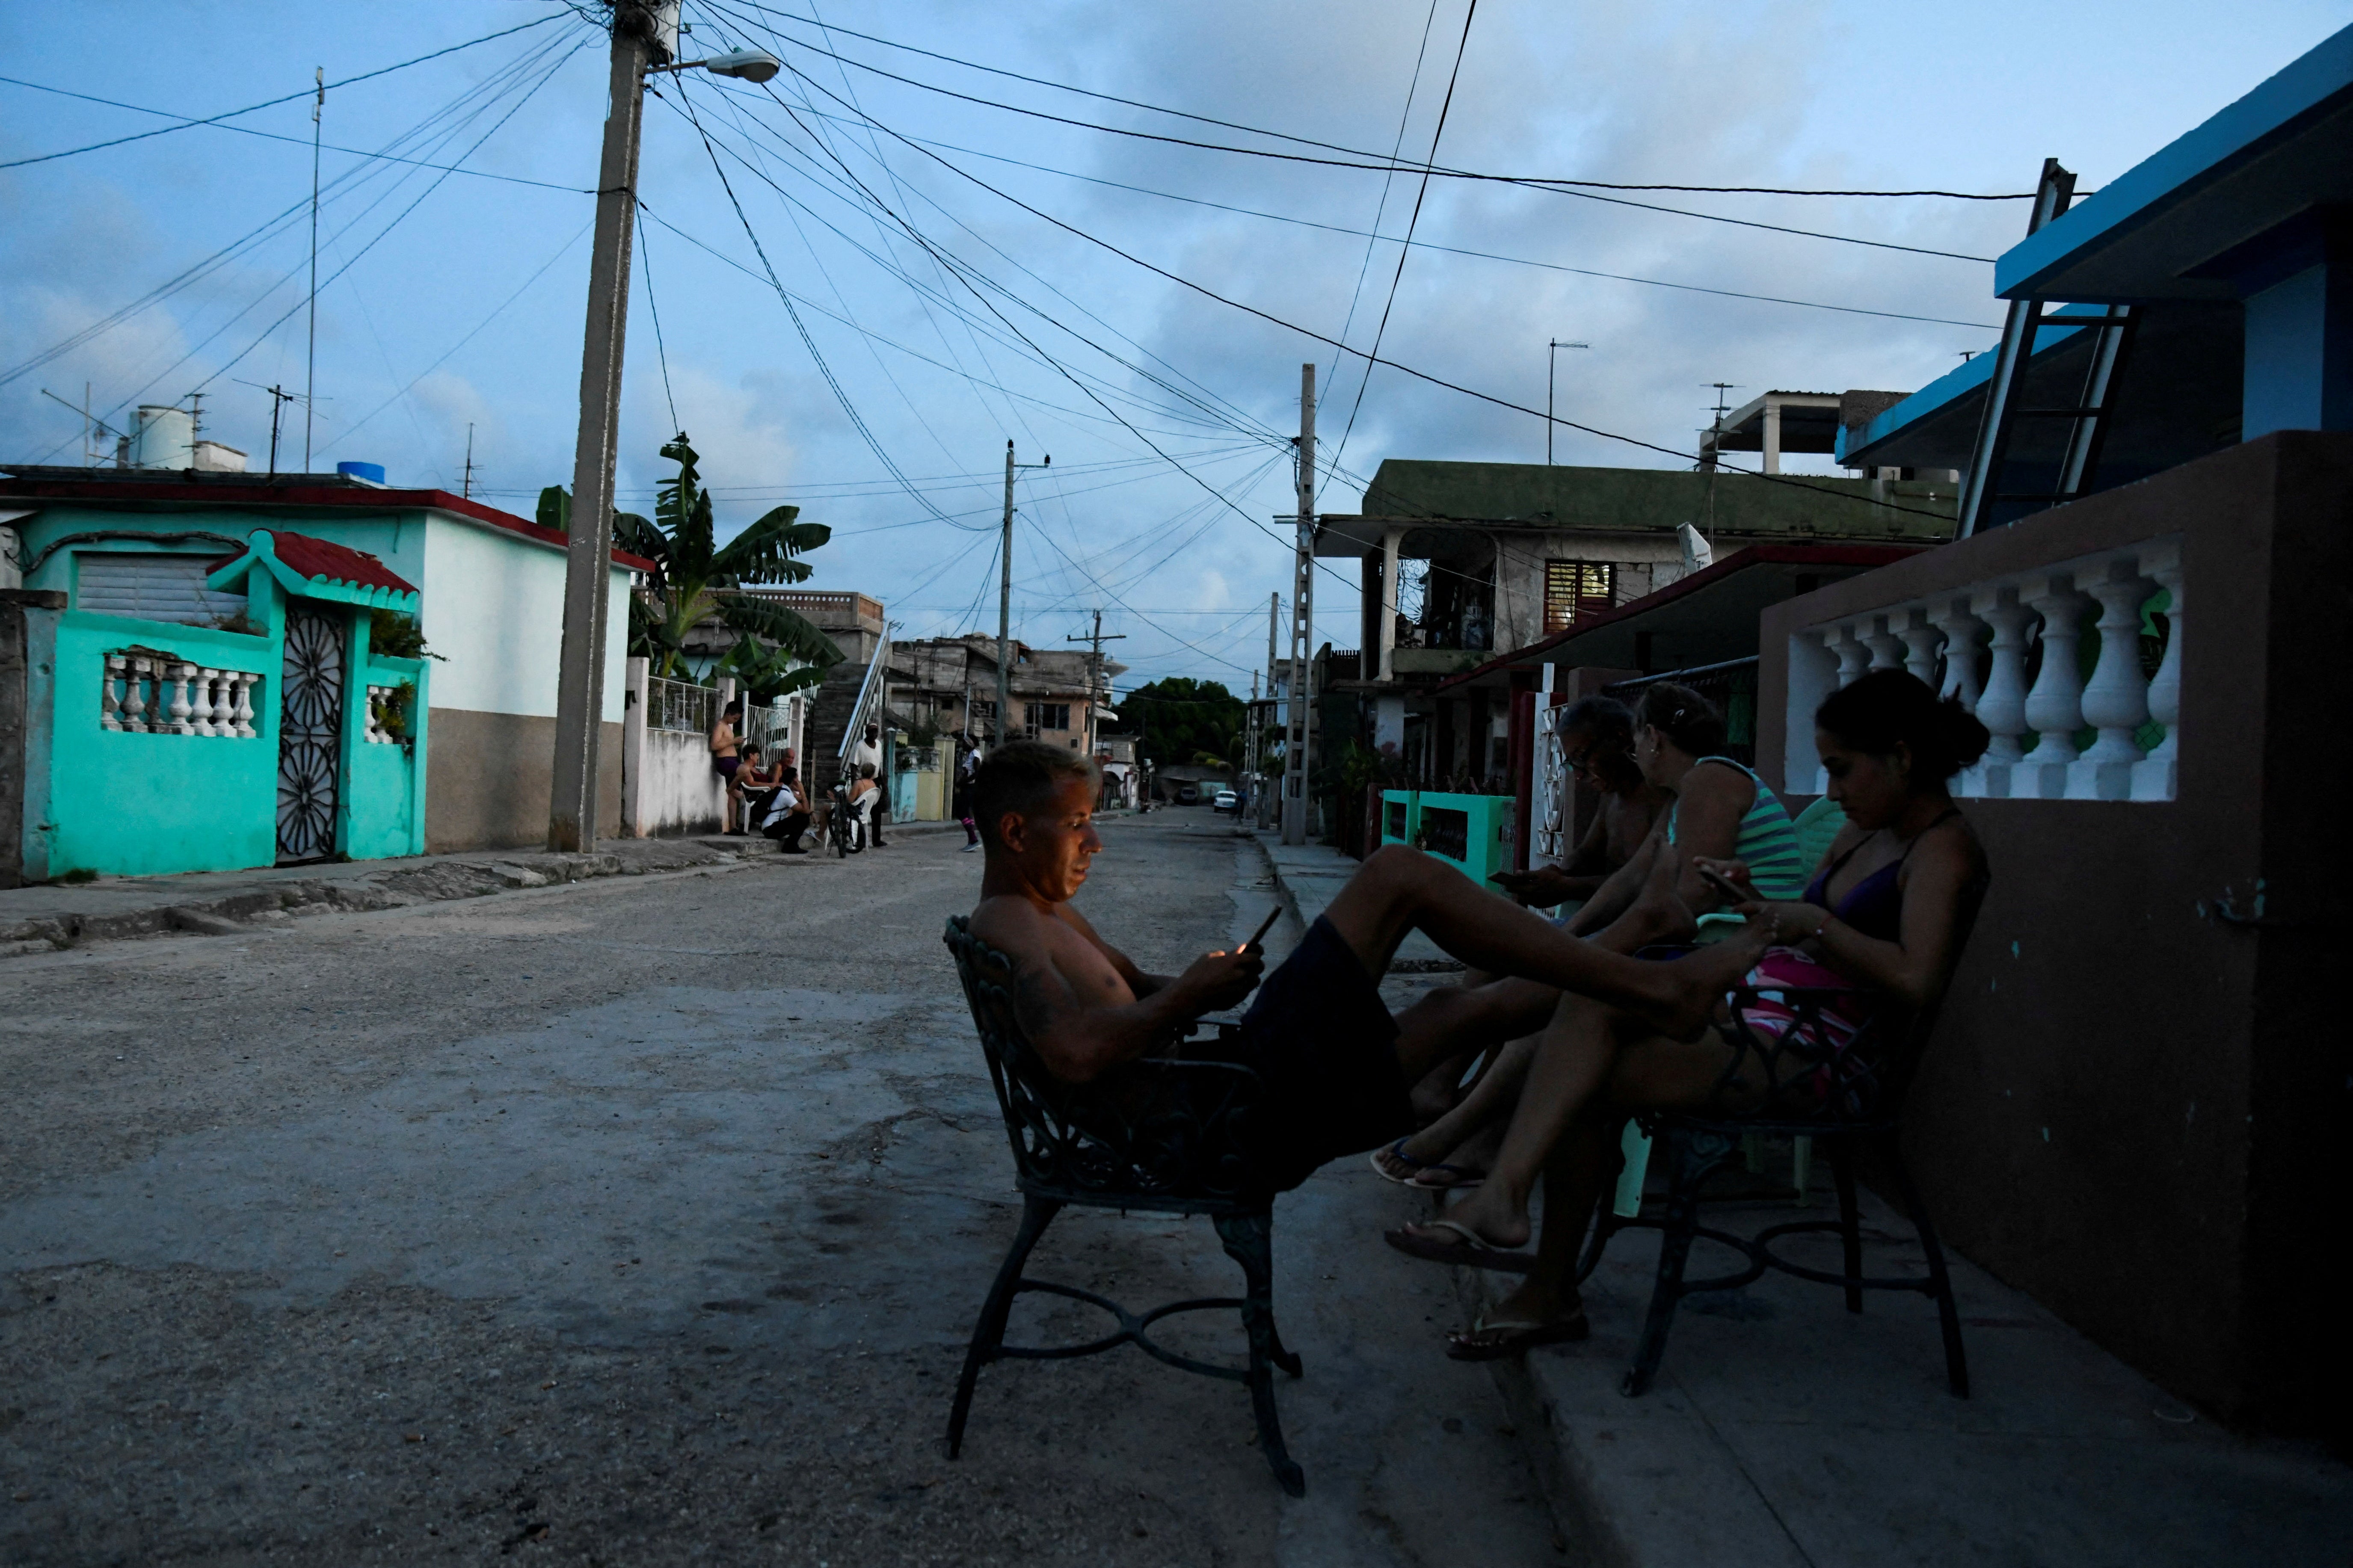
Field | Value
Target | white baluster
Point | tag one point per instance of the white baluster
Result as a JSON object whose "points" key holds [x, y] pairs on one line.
{"points": [[243, 715], [1920, 641], [134, 697], [2055, 706], [224, 710], [2115, 700], [1886, 649], [2156, 777], [110, 706], [1852, 656], [181, 675], [2001, 708], [1960, 629]]}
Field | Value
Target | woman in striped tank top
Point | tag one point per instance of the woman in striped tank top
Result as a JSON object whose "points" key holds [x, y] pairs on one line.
{"points": [[1721, 811]]}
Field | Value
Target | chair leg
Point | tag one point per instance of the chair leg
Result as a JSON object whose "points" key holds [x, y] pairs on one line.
{"points": [[988, 1333], [1842, 1153], [1695, 1155], [1249, 1239], [1941, 1279], [1801, 1165]]}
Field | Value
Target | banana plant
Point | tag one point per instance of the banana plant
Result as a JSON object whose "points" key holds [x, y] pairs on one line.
{"points": [[764, 674], [694, 579]]}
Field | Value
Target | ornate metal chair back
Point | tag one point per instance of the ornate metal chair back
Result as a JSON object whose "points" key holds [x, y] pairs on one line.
{"points": [[1152, 1134]]}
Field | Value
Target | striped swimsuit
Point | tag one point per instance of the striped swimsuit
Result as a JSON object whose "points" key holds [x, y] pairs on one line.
{"points": [[1767, 842]]}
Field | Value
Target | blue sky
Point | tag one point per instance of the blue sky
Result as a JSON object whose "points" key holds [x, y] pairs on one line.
{"points": [[949, 319]]}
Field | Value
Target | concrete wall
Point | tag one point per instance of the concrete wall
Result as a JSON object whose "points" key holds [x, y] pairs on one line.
{"points": [[494, 607], [679, 791], [490, 777], [2130, 1107]]}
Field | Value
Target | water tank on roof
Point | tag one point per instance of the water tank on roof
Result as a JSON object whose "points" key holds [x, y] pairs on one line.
{"points": [[365, 473], [163, 438], [212, 457]]}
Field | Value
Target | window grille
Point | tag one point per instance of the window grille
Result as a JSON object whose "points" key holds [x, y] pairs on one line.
{"points": [[1576, 589]]}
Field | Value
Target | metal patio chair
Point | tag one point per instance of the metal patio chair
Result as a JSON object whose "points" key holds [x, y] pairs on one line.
{"points": [[1163, 1135], [1857, 1094]]}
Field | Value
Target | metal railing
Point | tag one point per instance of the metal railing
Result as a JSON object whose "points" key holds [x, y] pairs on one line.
{"points": [[681, 705], [1731, 686]]}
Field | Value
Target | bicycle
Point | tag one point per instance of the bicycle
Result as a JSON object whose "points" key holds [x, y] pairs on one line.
{"points": [[844, 830]]}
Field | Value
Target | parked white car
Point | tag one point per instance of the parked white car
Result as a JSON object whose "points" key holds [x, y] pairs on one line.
{"points": [[1227, 801]]}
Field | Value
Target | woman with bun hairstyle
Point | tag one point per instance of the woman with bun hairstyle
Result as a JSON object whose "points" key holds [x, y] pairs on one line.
{"points": [[1885, 914]]}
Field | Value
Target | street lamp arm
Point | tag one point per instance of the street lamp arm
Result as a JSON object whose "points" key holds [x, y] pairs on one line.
{"points": [[754, 66]]}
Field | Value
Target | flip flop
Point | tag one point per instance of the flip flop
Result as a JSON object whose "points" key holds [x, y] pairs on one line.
{"points": [[1473, 1251], [1512, 1336], [1464, 1178], [1396, 1152]]}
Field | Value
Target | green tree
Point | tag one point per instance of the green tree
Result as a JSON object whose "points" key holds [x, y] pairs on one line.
{"points": [[691, 577], [1181, 722]]}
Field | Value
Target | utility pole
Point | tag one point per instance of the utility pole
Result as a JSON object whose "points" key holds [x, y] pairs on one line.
{"points": [[1300, 713], [1094, 672], [466, 489], [1273, 615], [1005, 597], [1552, 355], [587, 570], [310, 371]]}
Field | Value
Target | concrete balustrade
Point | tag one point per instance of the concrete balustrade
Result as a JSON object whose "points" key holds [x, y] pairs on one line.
{"points": [[1977, 645], [143, 696]]}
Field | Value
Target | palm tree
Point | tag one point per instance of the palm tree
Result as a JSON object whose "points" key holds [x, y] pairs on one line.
{"points": [[692, 580]]}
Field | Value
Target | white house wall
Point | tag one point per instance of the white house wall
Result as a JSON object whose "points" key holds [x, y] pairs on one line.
{"points": [[494, 609]]}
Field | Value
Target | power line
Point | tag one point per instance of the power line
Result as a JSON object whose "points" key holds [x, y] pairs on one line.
{"points": [[1329, 146], [252, 107], [1412, 223]]}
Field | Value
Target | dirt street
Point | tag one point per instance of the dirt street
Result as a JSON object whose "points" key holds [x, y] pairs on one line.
{"points": [[641, 1222]]}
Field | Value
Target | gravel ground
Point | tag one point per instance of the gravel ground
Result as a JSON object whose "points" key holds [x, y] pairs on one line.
{"points": [[641, 1222]]}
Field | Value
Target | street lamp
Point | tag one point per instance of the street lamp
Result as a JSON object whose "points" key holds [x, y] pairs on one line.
{"points": [[1552, 355], [644, 32]]}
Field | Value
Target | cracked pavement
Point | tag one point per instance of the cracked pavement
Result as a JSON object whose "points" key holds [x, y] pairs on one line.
{"points": [[641, 1221]]}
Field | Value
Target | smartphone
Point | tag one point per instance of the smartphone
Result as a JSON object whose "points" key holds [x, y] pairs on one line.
{"points": [[1727, 886], [1264, 926]]}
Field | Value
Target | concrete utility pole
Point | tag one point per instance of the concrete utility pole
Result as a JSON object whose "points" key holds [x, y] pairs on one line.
{"points": [[1095, 671], [310, 370], [1273, 617], [1300, 713], [1552, 355], [638, 32], [1004, 599]]}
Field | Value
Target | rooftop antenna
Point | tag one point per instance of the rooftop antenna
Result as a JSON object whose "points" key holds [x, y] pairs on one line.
{"points": [[92, 427], [310, 371], [467, 488], [278, 398], [1713, 448]]}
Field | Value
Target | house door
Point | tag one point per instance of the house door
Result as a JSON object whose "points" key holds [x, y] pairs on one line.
{"points": [[311, 734]]}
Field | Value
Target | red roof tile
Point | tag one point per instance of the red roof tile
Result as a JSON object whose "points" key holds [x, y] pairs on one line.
{"points": [[336, 562]]}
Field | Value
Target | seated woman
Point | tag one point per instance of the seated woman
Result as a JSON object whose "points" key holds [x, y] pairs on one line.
{"points": [[1885, 914], [754, 782], [1719, 809]]}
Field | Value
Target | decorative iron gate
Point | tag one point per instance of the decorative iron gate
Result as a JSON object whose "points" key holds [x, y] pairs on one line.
{"points": [[1552, 838], [310, 735]]}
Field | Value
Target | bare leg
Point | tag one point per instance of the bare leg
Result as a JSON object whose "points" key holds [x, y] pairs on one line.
{"points": [[1400, 889], [1572, 1185], [1489, 1100], [1440, 1088]]}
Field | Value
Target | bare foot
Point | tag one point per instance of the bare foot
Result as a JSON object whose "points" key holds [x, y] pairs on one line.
{"points": [[1489, 1215], [1466, 1165], [1692, 988]]}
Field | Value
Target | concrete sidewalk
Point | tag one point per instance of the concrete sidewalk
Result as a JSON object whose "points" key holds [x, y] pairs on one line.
{"points": [[1309, 876], [45, 917], [1782, 1430]]}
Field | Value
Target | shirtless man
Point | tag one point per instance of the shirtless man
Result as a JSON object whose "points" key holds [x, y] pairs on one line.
{"points": [[1596, 742], [1332, 1060]]}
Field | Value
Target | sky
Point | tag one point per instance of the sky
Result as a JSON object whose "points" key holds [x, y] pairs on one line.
{"points": [[1076, 279]]}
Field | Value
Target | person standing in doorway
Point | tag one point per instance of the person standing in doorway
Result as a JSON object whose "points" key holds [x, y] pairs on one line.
{"points": [[867, 763]]}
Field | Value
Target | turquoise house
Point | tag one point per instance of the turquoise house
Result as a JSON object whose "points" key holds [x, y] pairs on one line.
{"points": [[228, 670]]}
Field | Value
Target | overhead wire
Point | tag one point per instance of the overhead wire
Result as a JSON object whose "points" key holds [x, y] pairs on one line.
{"points": [[255, 108]]}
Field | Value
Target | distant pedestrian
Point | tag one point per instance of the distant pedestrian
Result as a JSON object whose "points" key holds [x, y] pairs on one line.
{"points": [[724, 746], [967, 764], [868, 762], [784, 817]]}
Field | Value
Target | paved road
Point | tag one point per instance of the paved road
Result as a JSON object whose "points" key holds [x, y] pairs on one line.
{"points": [[641, 1222]]}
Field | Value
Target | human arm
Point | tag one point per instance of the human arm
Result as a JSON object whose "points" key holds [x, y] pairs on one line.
{"points": [[1082, 1024], [1939, 886]]}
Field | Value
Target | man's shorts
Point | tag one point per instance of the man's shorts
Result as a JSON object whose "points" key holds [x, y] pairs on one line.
{"points": [[1325, 1049]]}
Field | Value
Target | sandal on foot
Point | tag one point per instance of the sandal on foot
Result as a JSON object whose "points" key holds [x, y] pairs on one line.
{"points": [[1396, 1152], [1471, 1250], [1494, 1339]]}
